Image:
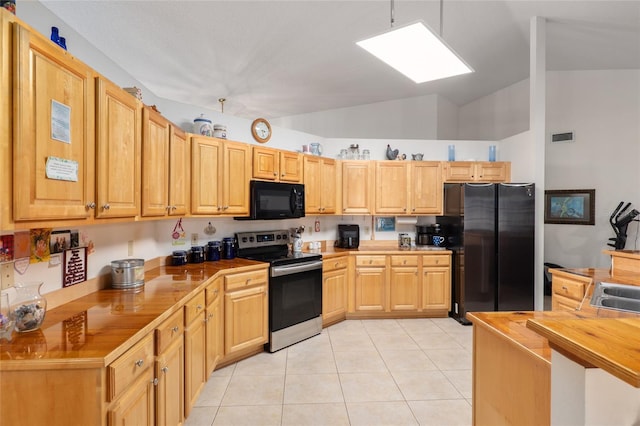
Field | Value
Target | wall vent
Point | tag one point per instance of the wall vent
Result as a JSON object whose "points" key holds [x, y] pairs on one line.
{"points": [[563, 137]]}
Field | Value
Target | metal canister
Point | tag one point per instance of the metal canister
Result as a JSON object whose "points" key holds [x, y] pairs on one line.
{"points": [[127, 273], [228, 248], [179, 257], [212, 251]]}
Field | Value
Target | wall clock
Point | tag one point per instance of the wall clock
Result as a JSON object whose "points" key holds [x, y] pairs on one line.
{"points": [[261, 130]]}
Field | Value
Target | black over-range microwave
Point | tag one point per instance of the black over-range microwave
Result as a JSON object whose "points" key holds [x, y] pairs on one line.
{"points": [[275, 200]]}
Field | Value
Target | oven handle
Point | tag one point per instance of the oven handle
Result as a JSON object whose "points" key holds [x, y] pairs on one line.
{"points": [[278, 271]]}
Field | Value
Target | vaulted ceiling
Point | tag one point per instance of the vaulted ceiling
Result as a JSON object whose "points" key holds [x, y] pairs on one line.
{"points": [[281, 58]]}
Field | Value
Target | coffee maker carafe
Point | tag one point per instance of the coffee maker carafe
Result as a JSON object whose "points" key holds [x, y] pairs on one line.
{"points": [[348, 236]]}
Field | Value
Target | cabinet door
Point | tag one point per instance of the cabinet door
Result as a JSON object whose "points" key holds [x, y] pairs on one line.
{"points": [[245, 319], [265, 163], [312, 184], [118, 152], [493, 172], [357, 187], [53, 133], [237, 173], [179, 168], [334, 295], [170, 385], [329, 194], [403, 289], [155, 163], [392, 187], [370, 289], [194, 362], [206, 175], [459, 171], [427, 191], [215, 334], [436, 289], [137, 404], [290, 167]]}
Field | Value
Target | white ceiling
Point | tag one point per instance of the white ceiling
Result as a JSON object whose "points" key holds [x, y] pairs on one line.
{"points": [[281, 58]]}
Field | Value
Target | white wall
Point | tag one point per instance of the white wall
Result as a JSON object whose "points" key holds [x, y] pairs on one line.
{"points": [[603, 109]]}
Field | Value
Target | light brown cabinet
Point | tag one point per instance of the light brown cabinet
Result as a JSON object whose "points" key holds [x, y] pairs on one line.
{"points": [[246, 321], [404, 283], [130, 386], [53, 130], [118, 148], [334, 290], [214, 325], [220, 173], [408, 187], [426, 187], [194, 353], [476, 171], [169, 370], [436, 283], [568, 290], [320, 181], [370, 284], [357, 187], [277, 165]]}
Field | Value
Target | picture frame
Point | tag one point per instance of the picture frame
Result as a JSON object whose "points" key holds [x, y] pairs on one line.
{"points": [[570, 206], [385, 224], [74, 266]]}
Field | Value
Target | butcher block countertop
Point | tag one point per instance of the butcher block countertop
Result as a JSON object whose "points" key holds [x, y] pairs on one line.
{"points": [[95, 329], [380, 247], [612, 344]]}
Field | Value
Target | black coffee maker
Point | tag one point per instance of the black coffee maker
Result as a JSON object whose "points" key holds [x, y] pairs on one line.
{"points": [[348, 236]]}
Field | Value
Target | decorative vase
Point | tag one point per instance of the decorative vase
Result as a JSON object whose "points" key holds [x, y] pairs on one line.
{"points": [[29, 307]]}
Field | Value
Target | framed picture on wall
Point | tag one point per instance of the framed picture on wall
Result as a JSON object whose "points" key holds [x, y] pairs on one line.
{"points": [[570, 206]]}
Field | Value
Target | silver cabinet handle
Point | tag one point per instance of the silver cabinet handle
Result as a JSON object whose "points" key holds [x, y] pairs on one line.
{"points": [[91, 205], [155, 381], [165, 369], [106, 207], [175, 329], [140, 363]]}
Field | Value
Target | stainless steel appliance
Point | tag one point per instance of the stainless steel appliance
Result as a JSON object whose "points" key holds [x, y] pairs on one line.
{"points": [[348, 236], [275, 200], [295, 286], [494, 226]]}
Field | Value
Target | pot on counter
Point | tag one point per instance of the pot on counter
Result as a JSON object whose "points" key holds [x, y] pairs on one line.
{"points": [[127, 273]]}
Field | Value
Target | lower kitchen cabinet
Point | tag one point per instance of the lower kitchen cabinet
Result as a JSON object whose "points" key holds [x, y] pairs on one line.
{"points": [[404, 283], [370, 292], [334, 290], [246, 305], [568, 290], [436, 282], [136, 406], [194, 352], [214, 325], [169, 370]]}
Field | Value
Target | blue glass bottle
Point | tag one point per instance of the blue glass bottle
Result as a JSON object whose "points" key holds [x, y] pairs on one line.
{"points": [[55, 35], [63, 43]]}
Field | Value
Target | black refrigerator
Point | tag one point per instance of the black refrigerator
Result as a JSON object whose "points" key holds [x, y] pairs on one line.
{"points": [[491, 231]]}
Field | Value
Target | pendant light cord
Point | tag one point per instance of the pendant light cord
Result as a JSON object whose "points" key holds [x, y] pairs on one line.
{"points": [[393, 19]]}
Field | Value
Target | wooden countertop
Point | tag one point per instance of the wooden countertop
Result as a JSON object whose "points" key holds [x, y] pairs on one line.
{"points": [[95, 329], [599, 274], [380, 247], [612, 344]]}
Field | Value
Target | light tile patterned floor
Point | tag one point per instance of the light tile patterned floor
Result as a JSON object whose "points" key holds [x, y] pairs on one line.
{"points": [[369, 372]]}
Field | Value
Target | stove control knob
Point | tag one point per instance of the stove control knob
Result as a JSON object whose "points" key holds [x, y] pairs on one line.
{"points": [[278, 237], [251, 239], [244, 239]]}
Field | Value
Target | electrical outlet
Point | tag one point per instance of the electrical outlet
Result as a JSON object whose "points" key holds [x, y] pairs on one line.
{"points": [[130, 248], [6, 275], [194, 239]]}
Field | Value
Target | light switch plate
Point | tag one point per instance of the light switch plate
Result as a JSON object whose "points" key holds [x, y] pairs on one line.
{"points": [[6, 275]]}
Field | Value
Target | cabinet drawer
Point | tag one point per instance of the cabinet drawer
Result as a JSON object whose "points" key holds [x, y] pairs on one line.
{"points": [[370, 260], [332, 264], [123, 371], [568, 288], [213, 290], [561, 303], [194, 308], [170, 331], [245, 279], [404, 260], [436, 260]]}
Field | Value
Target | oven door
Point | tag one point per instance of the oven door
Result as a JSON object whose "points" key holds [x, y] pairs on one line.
{"points": [[295, 294]]}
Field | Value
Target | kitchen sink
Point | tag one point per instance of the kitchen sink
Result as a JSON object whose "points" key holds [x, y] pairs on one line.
{"points": [[616, 296]]}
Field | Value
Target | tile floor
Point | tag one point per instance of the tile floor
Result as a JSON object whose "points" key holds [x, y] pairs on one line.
{"points": [[357, 372]]}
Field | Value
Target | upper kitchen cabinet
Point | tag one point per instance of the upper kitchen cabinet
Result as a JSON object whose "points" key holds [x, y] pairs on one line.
{"points": [[277, 165], [118, 147], [320, 185], [408, 187], [357, 187], [165, 166], [220, 173], [53, 133], [6, 119], [476, 171]]}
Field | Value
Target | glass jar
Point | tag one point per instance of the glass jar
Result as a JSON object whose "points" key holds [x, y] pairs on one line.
{"points": [[228, 248], [6, 322], [29, 307], [366, 154]]}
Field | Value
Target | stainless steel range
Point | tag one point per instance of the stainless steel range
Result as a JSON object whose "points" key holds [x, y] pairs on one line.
{"points": [[295, 286]]}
